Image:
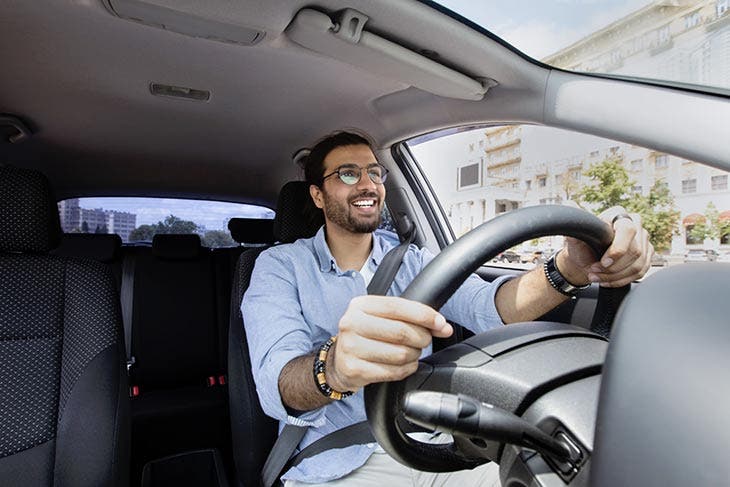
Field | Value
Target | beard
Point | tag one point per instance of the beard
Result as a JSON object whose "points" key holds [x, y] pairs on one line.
{"points": [[341, 214]]}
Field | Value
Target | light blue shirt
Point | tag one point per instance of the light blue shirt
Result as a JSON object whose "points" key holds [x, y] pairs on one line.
{"points": [[293, 305]]}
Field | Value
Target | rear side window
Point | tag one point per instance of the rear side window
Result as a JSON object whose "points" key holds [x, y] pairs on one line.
{"points": [[139, 219]]}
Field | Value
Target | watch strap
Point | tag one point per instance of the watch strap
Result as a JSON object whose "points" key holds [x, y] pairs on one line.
{"points": [[558, 281]]}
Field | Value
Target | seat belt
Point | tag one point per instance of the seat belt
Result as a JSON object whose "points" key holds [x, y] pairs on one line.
{"points": [[280, 458], [127, 301]]}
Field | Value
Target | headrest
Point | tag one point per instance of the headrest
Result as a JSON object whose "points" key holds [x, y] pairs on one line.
{"points": [[296, 215], [28, 213], [176, 247], [252, 230], [94, 246]]}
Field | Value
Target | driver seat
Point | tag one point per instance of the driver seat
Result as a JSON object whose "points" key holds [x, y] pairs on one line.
{"points": [[253, 433], [64, 406]]}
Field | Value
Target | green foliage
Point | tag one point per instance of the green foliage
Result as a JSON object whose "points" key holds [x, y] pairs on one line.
{"points": [[611, 187], [217, 238], [169, 225], [142, 233], [711, 227]]}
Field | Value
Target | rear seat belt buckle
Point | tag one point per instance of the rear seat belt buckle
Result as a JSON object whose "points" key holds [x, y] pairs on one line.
{"points": [[133, 391], [222, 380], [130, 363], [211, 381]]}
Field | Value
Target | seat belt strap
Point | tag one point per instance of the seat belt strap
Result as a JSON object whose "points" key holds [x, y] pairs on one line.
{"points": [[278, 462], [355, 434], [384, 276], [127, 302]]}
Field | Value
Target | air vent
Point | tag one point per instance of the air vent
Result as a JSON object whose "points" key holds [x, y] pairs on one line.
{"points": [[179, 92], [183, 23]]}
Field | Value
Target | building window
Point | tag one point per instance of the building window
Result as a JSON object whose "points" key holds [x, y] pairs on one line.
{"points": [[725, 239], [528, 184], [636, 189], [722, 7], [575, 174], [469, 176], [661, 162], [636, 164], [689, 186], [719, 182], [691, 20], [664, 34], [559, 179], [543, 201], [542, 181]]}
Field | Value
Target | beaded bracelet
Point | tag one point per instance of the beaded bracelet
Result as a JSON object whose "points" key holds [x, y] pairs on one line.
{"points": [[319, 372]]}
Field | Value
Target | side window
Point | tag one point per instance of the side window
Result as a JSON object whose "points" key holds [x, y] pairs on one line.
{"points": [[139, 219], [685, 205]]}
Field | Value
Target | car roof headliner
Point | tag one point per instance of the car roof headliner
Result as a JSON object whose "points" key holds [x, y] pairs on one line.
{"points": [[79, 76]]}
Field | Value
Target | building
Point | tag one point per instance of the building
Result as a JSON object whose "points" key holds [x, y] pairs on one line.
{"points": [[75, 219], [506, 167]]}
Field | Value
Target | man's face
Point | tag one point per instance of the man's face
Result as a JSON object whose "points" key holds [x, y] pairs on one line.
{"points": [[354, 208]]}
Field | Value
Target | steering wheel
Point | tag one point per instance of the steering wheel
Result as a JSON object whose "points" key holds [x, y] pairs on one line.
{"points": [[435, 285]]}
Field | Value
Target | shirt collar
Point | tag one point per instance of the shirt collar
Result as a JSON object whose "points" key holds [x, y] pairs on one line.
{"points": [[327, 261]]}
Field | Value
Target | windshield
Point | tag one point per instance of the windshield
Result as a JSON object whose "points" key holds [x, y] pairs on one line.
{"points": [[676, 41]]}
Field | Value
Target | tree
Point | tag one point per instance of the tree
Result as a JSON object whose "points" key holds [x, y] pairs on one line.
{"points": [[611, 187], [711, 228], [101, 229], [217, 238], [84, 227], [142, 233], [658, 215], [171, 224]]}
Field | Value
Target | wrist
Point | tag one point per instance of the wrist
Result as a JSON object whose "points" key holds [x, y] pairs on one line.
{"points": [[323, 377], [333, 378], [574, 275]]}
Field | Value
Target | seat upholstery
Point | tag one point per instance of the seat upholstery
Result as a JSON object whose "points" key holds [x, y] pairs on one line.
{"points": [[64, 411], [254, 433], [176, 345]]}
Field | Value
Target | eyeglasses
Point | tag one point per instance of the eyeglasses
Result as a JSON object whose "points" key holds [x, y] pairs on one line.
{"points": [[351, 173]]}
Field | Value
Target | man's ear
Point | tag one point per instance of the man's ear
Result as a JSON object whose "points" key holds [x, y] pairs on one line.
{"points": [[317, 197]]}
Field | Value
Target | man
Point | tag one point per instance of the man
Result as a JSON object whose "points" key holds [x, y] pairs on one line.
{"points": [[304, 293]]}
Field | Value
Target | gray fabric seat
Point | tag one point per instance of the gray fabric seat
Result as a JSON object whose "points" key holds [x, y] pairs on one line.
{"points": [[64, 410], [253, 433]]}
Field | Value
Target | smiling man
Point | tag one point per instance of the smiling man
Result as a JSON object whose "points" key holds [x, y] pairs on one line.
{"points": [[316, 338]]}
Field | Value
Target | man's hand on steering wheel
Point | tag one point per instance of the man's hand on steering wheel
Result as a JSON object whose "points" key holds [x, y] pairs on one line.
{"points": [[626, 260]]}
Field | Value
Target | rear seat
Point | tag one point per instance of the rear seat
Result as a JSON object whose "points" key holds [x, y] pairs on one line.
{"points": [[180, 314], [176, 343]]}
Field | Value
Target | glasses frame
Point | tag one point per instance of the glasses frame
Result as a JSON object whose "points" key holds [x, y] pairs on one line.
{"points": [[383, 175]]}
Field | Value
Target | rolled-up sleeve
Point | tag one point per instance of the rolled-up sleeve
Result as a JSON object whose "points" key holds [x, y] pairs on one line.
{"points": [[276, 331]]}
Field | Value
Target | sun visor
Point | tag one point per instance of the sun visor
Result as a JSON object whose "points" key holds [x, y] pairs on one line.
{"points": [[345, 39], [183, 23]]}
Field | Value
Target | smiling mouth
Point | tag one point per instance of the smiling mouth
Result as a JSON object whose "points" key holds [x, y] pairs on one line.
{"points": [[364, 203]]}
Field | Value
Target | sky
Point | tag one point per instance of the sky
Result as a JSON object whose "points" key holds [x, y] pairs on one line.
{"points": [[540, 28], [213, 215]]}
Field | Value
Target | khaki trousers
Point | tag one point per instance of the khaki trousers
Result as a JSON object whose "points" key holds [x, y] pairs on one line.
{"points": [[382, 471]]}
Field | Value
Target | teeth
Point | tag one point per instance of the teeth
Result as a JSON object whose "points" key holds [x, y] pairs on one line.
{"points": [[364, 203]]}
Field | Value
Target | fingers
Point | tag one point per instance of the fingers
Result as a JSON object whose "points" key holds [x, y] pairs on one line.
{"points": [[403, 310], [628, 258], [381, 338]]}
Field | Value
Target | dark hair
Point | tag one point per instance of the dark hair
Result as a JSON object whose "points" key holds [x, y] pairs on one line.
{"points": [[314, 162]]}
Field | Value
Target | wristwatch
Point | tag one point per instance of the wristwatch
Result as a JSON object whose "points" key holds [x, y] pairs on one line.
{"points": [[558, 281]]}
